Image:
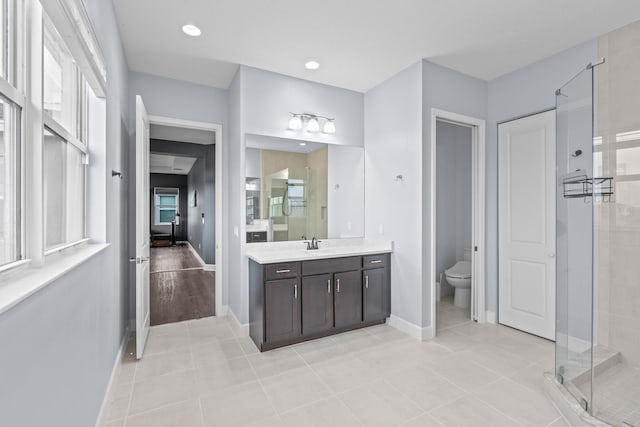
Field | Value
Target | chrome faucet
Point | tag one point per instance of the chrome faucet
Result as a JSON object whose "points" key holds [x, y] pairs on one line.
{"points": [[313, 244]]}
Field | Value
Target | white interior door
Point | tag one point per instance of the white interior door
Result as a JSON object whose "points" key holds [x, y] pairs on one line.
{"points": [[143, 311], [526, 215]]}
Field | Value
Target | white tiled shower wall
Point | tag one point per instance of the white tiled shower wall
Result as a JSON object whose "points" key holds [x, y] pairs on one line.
{"points": [[618, 222]]}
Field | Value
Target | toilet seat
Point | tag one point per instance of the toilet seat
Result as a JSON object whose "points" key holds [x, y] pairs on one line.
{"points": [[462, 270]]}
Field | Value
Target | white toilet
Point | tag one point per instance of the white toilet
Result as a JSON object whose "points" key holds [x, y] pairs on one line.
{"points": [[459, 276]]}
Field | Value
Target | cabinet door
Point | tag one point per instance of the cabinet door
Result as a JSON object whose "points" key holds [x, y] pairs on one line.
{"points": [[373, 295], [317, 304], [282, 309], [348, 298]]}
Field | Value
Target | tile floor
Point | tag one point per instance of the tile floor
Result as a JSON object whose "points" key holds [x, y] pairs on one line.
{"points": [[205, 373], [616, 395], [448, 315]]}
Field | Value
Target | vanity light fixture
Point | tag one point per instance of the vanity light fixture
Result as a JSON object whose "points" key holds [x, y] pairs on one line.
{"points": [[311, 123], [191, 30]]}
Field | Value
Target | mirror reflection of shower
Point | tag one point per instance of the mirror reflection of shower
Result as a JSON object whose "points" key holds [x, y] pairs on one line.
{"points": [[288, 196]]}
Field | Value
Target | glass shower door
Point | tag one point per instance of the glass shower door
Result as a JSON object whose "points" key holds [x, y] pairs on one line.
{"points": [[574, 238]]}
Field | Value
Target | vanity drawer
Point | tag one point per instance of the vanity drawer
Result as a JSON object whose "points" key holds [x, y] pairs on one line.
{"points": [[283, 270], [375, 261], [331, 265]]}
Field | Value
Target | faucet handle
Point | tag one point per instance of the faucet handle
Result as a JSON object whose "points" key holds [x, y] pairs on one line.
{"points": [[308, 244]]}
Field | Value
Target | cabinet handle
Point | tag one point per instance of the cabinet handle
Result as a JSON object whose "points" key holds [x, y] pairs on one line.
{"points": [[283, 271], [338, 285], [376, 261], [366, 282], [329, 286], [295, 291]]}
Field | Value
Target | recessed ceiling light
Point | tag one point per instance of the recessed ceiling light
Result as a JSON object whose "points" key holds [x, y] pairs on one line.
{"points": [[312, 65], [191, 30], [302, 144]]}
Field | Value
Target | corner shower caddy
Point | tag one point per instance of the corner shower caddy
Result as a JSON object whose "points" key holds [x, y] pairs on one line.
{"points": [[583, 186]]}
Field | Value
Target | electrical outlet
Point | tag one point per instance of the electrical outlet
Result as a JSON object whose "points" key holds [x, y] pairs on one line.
{"points": [[199, 246], [349, 226], [380, 229]]}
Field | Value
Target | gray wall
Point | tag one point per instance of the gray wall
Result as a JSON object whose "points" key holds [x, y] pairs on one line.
{"points": [[60, 344], [170, 181], [452, 91], [522, 92], [393, 208], [454, 191], [201, 178]]}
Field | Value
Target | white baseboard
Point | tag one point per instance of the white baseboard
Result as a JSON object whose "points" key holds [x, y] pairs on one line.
{"points": [[224, 310], [574, 344], [196, 254], [241, 328], [415, 331], [114, 369], [491, 317]]}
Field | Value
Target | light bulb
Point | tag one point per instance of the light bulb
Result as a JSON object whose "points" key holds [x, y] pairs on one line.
{"points": [[313, 125], [312, 65], [295, 123], [329, 127], [191, 30]]}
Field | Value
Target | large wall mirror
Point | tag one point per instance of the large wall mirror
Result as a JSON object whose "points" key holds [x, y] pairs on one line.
{"points": [[297, 190]]}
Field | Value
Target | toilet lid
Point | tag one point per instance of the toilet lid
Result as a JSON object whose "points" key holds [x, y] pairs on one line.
{"points": [[462, 270]]}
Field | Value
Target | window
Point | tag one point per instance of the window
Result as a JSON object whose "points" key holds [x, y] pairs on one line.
{"points": [[10, 149], [64, 192], [65, 103], [10, 249], [166, 202], [62, 99], [6, 40]]}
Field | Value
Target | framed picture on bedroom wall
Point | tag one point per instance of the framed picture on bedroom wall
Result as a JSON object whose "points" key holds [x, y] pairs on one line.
{"points": [[193, 200]]}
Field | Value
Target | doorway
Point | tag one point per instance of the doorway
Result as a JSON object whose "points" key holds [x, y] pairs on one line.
{"points": [[454, 202], [160, 205], [527, 223]]}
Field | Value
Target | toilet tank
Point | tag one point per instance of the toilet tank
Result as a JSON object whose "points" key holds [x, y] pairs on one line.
{"points": [[467, 254]]}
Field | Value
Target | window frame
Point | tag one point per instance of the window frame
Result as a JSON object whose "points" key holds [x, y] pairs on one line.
{"points": [[158, 207]]}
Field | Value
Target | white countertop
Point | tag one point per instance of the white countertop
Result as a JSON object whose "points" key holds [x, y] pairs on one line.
{"points": [[272, 252]]}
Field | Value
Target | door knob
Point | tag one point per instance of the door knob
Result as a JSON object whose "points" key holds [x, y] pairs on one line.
{"points": [[552, 255]]}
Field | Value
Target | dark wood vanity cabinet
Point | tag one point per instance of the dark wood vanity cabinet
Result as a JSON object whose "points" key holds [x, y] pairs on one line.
{"points": [[282, 318], [317, 304], [348, 299], [375, 276], [296, 301]]}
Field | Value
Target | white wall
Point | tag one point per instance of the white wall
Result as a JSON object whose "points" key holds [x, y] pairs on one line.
{"points": [[254, 164], [393, 208], [455, 92], [346, 202], [454, 215], [270, 97], [235, 209], [525, 91]]}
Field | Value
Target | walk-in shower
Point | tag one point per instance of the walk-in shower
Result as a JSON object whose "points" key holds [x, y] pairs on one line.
{"points": [[592, 223]]}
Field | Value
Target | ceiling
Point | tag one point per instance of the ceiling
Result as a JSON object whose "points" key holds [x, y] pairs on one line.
{"points": [[359, 43], [181, 134], [168, 164]]}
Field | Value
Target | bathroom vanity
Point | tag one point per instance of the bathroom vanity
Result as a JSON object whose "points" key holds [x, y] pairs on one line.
{"points": [[297, 294]]}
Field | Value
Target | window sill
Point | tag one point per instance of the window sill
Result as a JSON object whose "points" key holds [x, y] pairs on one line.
{"points": [[14, 288]]}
